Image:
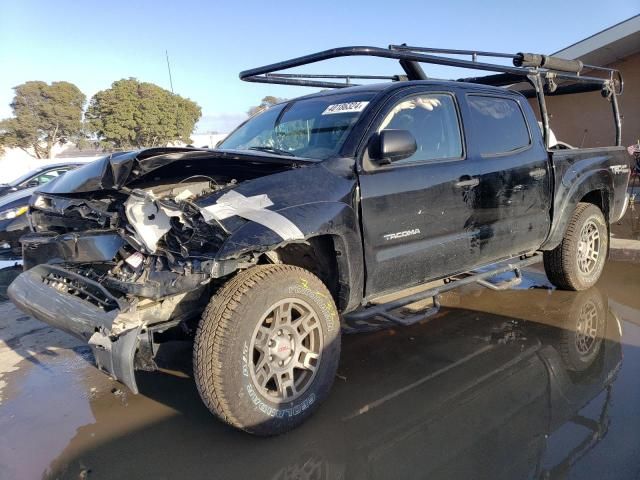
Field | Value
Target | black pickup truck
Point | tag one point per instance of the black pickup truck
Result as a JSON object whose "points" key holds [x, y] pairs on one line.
{"points": [[261, 248]]}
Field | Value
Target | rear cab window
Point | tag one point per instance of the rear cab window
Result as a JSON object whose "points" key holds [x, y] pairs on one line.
{"points": [[499, 125]]}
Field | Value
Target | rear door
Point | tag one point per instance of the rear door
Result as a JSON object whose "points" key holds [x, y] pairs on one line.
{"points": [[512, 201]]}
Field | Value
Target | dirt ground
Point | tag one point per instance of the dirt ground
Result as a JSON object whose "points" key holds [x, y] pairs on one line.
{"points": [[488, 388]]}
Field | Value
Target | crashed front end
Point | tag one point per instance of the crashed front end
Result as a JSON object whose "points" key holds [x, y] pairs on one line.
{"points": [[118, 331], [115, 267]]}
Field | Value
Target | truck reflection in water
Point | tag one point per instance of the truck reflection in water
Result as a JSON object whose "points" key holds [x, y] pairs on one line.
{"points": [[505, 389], [469, 394]]}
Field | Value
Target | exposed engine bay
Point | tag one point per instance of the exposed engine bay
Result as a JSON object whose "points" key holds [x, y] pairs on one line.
{"points": [[152, 238], [133, 245], [170, 244], [166, 220]]}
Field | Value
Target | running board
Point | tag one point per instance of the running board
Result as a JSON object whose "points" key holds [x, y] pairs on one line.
{"points": [[514, 282], [354, 320]]}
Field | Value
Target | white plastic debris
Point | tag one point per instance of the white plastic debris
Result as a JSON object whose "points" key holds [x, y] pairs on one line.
{"points": [[149, 220]]}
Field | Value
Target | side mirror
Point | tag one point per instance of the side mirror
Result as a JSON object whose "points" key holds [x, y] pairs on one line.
{"points": [[32, 183], [392, 145]]}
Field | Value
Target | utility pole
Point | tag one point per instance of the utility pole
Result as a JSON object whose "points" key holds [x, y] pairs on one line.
{"points": [[166, 52]]}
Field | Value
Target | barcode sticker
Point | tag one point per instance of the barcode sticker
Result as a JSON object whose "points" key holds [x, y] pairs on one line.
{"points": [[350, 107]]}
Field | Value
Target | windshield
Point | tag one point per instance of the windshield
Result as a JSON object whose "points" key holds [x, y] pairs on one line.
{"points": [[41, 176], [23, 178], [312, 128]]}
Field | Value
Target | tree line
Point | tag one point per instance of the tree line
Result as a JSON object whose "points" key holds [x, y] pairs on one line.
{"points": [[128, 115], [265, 103]]}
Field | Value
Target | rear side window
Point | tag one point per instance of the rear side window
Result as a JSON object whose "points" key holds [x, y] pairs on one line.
{"points": [[499, 124]]}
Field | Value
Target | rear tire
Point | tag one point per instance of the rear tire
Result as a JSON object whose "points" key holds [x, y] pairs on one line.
{"points": [[577, 263], [581, 338], [267, 349]]}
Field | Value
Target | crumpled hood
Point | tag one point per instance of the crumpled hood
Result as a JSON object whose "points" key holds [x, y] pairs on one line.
{"points": [[270, 201], [120, 169]]}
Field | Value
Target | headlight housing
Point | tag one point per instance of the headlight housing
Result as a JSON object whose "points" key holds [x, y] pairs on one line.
{"points": [[40, 202], [13, 212]]}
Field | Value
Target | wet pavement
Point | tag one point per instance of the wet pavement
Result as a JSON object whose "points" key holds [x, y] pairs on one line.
{"points": [[625, 234], [530, 383]]}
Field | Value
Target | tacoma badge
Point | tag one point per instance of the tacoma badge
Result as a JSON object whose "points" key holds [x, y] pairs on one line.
{"points": [[406, 233]]}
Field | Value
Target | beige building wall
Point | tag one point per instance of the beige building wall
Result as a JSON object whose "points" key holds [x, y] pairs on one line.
{"points": [[586, 119]]}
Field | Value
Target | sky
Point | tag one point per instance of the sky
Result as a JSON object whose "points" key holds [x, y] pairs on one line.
{"points": [[92, 44]]}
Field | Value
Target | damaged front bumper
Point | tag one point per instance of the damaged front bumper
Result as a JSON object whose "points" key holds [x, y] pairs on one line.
{"points": [[92, 246], [114, 329]]}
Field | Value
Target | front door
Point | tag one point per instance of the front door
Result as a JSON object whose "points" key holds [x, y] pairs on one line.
{"points": [[414, 210]]}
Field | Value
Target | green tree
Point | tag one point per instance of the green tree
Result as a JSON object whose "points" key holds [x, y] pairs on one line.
{"points": [[133, 114], [265, 103], [44, 115]]}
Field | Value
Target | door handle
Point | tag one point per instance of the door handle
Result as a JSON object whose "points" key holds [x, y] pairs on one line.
{"points": [[537, 173], [473, 182]]}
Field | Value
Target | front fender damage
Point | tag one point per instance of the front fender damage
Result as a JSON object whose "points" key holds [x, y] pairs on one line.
{"points": [[113, 294], [151, 219], [133, 259], [177, 243]]}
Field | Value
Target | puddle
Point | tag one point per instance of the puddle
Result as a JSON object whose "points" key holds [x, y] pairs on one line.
{"points": [[499, 385]]}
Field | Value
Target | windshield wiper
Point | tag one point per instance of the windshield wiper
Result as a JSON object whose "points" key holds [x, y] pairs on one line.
{"points": [[274, 150]]}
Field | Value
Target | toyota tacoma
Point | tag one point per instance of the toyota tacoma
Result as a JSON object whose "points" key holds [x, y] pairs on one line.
{"points": [[262, 249]]}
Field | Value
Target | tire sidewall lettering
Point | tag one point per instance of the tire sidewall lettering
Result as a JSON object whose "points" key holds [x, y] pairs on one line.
{"points": [[325, 304], [256, 398], [224, 356]]}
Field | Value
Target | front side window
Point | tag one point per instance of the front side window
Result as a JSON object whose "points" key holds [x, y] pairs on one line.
{"points": [[498, 123], [315, 127], [432, 119]]}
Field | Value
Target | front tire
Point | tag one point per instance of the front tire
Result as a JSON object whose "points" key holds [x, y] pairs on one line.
{"points": [[577, 263], [267, 349]]}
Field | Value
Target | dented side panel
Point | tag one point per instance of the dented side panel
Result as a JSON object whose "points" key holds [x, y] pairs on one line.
{"points": [[331, 181], [313, 219]]}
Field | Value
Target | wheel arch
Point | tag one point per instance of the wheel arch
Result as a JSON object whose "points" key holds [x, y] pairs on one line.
{"points": [[596, 189], [599, 198], [327, 257], [330, 248]]}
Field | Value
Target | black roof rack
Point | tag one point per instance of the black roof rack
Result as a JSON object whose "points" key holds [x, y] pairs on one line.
{"points": [[524, 65], [547, 75]]}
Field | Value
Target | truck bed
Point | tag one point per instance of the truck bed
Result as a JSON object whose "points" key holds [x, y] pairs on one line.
{"points": [[604, 168]]}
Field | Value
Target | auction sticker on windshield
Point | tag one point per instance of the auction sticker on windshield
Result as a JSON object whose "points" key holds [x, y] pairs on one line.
{"points": [[350, 107]]}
